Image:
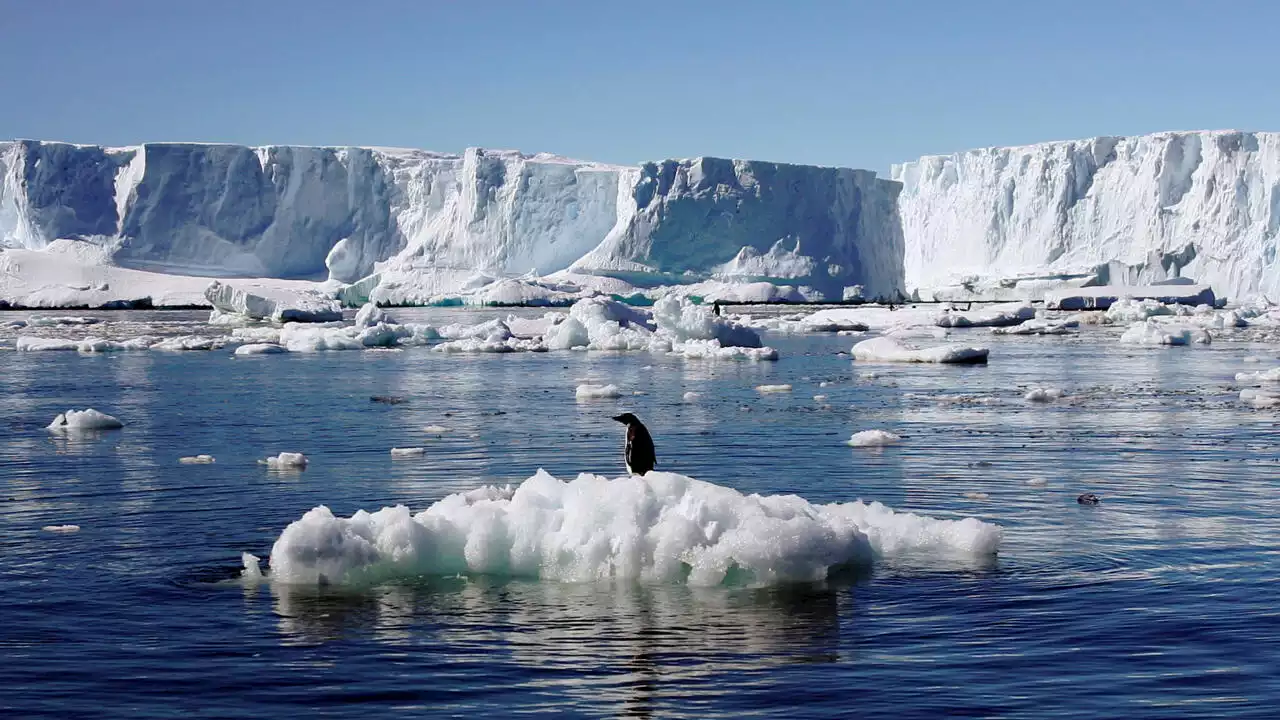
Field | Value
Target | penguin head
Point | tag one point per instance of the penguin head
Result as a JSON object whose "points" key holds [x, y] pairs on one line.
{"points": [[627, 418]]}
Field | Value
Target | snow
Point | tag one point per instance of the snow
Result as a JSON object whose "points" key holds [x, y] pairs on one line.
{"points": [[285, 461], [595, 392], [83, 420], [1150, 332], [1102, 298], [887, 349], [660, 527], [1125, 210], [196, 460], [874, 438]]}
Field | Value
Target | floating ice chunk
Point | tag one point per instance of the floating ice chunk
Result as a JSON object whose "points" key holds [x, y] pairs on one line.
{"points": [[34, 321], [1263, 397], [87, 346], [252, 567], [773, 388], [973, 495], [370, 315], [691, 396], [1262, 376], [594, 392], [712, 350], [435, 429], [1037, 482], [658, 527], [196, 460], [1103, 297], [820, 398], [1129, 310], [61, 528], [1149, 332], [492, 345], [1006, 314], [260, 349], [189, 342], [1043, 395], [84, 420], [873, 438], [408, 452], [261, 302], [285, 460], [1037, 326], [886, 349]]}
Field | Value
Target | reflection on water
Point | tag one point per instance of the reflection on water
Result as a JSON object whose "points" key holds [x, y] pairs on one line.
{"points": [[1156, 601]]}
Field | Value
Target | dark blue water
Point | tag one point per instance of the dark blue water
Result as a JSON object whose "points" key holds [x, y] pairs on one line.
{"points": [[1159, 602]]}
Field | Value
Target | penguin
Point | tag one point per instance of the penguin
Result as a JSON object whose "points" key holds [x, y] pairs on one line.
{"points": [[640, 455]]}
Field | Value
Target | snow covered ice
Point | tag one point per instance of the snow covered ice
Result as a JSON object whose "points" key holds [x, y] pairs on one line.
{"points": [[660, 527], [286, 461]]}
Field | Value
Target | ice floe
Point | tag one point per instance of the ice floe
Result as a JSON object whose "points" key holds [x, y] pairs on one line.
{"points": [[196, 460], [286, 460], [597, 392], [84, 420], [873, 438], [407, 452], [887, 349], [1150, 332], [1043, 394], [659, 527]]}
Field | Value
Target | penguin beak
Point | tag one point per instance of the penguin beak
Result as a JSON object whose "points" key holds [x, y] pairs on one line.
{"points": [[619, 418]]}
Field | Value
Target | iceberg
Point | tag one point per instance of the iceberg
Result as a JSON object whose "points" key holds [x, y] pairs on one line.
{"points": [[259, 302], [1113, 210], [403, 226]]}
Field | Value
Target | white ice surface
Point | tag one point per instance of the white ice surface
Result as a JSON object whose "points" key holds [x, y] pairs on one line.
{"points": [[887, 349], [874, 438], [83, 420], [658, 527]]}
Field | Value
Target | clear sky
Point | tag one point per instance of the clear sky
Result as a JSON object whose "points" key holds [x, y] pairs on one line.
{"points": [[861, 84]]}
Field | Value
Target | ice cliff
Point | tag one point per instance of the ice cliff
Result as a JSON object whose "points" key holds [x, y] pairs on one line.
{"points": [[1125, 210], [374, 213]]}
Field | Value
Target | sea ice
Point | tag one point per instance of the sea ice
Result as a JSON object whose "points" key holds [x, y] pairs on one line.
{"points": [[266, 302], [61, 528], [873, 438], [285, 460], [408, 452], [659, 527], [1037, 326], [886, 349], [83, 420], [260, 349], [1043, 395], [773, 388], [1004, 315], [196, 460], [1150, 332], [593, 392]]}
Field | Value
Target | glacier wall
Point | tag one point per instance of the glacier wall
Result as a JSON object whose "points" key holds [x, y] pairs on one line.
{"points": [[1204, 205], [351, 213]]}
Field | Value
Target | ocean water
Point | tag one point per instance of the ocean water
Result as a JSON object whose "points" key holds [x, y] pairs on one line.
{"points": [[1158, 602]]}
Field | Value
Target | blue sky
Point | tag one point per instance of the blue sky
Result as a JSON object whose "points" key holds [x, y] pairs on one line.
{"points": [[835, 83]]}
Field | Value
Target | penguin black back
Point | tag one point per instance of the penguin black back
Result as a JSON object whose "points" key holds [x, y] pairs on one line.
{"points": [[640, 454]]}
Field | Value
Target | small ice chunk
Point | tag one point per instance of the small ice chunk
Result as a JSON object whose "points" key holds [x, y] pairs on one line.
{"points": [[594, 392], [196, 460], [78, 420], [691, 396], [977, 495], [285, 460], [873, 438], [887, 349], [773, 388], [252, 566], [435, 429], [61, 528], [260, 349], [408, 452], [1043, 395], [1037, 482], [819, 398]]}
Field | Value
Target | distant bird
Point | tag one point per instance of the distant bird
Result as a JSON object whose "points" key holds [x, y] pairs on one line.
{"points": [[640, 455], [715, 308]]}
